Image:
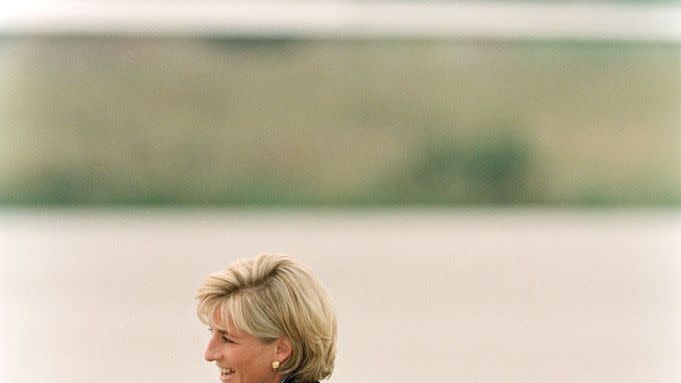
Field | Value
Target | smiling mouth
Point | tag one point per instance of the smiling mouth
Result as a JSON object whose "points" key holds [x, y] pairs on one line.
{"points": [[226, 373]]}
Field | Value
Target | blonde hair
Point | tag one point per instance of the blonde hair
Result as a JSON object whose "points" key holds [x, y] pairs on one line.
{"points": [[269, 296]]}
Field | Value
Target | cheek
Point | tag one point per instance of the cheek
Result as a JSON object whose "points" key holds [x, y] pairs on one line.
{"points": [[233, 357], [253, 364], [239, 359]]}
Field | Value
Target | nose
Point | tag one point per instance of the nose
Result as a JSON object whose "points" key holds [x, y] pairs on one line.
{"points": [[212, 352]]}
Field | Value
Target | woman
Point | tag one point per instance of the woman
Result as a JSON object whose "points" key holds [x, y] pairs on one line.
{"points": [[271, 322]]}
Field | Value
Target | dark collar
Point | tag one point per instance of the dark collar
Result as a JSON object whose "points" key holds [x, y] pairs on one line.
{"points": [[290, 380]]}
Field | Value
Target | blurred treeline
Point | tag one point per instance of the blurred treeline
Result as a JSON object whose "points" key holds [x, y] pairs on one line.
{"points": [[118, 121]]}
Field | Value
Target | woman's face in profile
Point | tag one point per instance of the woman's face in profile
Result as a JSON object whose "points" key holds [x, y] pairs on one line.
{"points": [[241, 357]]}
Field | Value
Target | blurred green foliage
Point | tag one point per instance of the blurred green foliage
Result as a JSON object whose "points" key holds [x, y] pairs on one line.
{"points": [[105, 121], [491, 170]]}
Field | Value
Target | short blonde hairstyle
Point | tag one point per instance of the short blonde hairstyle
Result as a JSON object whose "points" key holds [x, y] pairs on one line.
{"points": [[269, 296]]}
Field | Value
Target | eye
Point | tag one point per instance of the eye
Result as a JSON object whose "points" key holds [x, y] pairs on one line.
{"points": [[223, 338]]}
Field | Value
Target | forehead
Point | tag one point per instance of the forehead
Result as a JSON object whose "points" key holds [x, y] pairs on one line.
{"points": [[221, 320]]}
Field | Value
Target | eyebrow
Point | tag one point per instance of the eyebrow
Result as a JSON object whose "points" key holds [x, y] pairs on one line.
{"points": [[225, 332]]}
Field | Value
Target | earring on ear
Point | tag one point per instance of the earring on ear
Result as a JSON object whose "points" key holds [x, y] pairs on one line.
{"points": [[275, 365]]}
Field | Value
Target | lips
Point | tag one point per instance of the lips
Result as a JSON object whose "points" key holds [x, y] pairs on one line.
{"points": [[226, 373]]}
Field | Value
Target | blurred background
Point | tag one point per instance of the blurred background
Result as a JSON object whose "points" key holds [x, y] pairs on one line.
{"points": [[490, 191]]}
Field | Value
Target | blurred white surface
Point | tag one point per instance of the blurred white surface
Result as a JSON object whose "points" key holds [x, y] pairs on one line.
{"points": [[474, 296], [349, 19]]}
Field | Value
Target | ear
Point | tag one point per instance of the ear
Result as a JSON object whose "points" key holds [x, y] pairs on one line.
{"points": [[284, 348]]}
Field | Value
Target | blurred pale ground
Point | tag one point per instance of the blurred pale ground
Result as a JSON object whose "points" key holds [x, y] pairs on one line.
{"points": [[422, 295]]}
